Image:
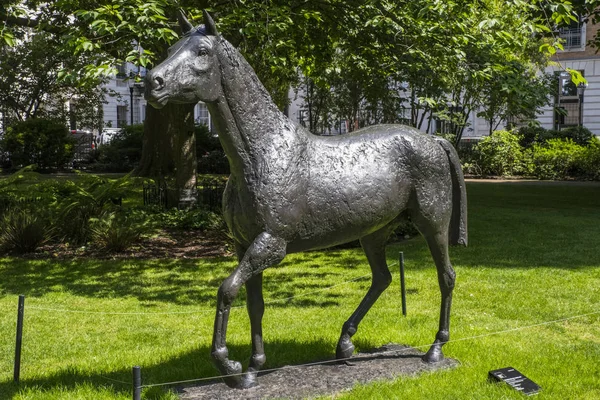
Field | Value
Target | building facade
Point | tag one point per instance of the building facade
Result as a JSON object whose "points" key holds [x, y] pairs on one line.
{"points": [[125, 103]]}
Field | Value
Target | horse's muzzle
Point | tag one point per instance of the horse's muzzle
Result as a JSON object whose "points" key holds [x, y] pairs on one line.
{"points": [[155, 92]]}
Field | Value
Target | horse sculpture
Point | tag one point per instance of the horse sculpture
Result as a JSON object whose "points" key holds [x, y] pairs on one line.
{"points": [[292, 191]]}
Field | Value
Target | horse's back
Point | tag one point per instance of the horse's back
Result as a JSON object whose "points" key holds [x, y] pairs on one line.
{"points": [[361, 182]]}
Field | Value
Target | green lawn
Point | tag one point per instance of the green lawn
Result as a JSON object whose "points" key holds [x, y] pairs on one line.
{"points": [[533, 257]]}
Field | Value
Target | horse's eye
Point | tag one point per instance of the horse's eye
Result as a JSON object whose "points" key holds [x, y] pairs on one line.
{"points": [[203, 52]]}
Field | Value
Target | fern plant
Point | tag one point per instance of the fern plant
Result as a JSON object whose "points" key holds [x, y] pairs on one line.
{"points": [[22, 231], [116, 232]]}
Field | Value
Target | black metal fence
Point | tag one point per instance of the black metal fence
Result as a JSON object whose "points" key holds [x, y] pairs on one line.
{"points": [[155, 195], [209, 192], [211, 195]]}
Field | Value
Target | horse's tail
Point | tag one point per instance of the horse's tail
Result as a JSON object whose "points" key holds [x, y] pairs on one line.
{"points": [[458, 224]]}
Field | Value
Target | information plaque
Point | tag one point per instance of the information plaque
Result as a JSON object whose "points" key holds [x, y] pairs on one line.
{"points": [[515, 379]]}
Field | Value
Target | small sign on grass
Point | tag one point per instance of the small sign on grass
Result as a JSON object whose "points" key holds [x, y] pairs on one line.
{"points": [[514, 379]]}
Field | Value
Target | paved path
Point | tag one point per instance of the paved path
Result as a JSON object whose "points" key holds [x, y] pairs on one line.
{"points": [[535, 182]]}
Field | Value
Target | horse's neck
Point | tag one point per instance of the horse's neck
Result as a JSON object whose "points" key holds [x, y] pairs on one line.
{"points": [[248, 122]]}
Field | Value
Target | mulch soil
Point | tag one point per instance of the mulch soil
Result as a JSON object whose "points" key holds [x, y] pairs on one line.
{"points": [[165, 244]]}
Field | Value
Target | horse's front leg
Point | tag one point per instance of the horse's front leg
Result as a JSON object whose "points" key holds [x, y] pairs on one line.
{"points": [[265, 251]]}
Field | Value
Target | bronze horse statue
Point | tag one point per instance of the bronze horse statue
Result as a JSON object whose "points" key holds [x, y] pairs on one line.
{"points": [[292, 191]]}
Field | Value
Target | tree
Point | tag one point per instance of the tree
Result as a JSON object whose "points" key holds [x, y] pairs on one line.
{"points": [[31, 84], [515, 94], [375, 44], [415, 61]]}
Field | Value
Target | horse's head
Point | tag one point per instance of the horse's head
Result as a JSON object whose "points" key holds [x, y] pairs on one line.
{"points": [[191, 71]]}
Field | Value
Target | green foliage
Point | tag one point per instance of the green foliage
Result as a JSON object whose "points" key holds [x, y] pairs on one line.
{"points": [[535, 151], [115, 231], [587, 165], [22, 231], [193, 218], [528, 135], [536, 134], [499, 154], [44, 142], [578, 134], [33, 84], [556, 158], [515, 92], [124, 152], [210, 154], [89, 198]]}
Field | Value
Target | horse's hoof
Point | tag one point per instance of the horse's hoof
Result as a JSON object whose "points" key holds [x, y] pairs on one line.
{"points": [[344, 349], [434, 355], [233, 367], [250, 380], [241, 381]]}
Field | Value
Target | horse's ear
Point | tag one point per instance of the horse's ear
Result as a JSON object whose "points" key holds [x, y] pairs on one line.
{"points": [[209, 24], [186, 26]]}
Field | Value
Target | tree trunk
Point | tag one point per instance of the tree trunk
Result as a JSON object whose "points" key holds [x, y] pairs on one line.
{"points": [[169, 151]]}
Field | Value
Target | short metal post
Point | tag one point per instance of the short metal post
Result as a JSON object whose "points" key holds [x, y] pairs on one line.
{"points": [[402, 283], [137, 383], [20, 313]]}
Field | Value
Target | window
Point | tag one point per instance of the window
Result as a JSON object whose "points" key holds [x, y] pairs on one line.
{"points": [[202, 115], [573, 36], [122, 71], [566, 86], [449, 124], [340, 127], [121, 116], [302, 117], [121, 75], [568, 105]]}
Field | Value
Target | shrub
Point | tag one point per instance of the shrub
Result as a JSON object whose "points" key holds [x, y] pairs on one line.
{"points": [[528, 135], [210, 154], [556, 159], [194, 218], [123, 152], [499, 154], [44, 142], [89, 198], [536, 134], [578, 134], [22, 231], [587, 166], [114, 231]]}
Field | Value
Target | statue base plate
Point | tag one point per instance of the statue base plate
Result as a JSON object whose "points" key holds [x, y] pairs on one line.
{"points": [[298, 382]]}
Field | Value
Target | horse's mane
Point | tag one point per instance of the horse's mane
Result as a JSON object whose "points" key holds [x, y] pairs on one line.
{"points": [[235, 67]]}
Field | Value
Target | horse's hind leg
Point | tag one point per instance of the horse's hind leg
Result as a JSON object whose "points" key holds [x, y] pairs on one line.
{"points": [[438, 245], [256, 308], [374, 247]]}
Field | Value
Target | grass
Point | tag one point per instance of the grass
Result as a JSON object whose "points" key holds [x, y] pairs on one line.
{"points": [[532, 258]]}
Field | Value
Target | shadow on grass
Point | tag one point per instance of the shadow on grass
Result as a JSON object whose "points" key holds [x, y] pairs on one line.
{"points": [[195, 364], [511, 226], [181, 282]]}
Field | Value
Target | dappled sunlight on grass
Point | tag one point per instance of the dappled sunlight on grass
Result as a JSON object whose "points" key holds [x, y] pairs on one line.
{"points": [[532, 258]]}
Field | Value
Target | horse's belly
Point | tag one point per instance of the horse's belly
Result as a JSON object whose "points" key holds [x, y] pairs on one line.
{"points": [[345, 208]]}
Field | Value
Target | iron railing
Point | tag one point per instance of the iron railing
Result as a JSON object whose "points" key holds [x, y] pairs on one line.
{"points": [[209, 195]]}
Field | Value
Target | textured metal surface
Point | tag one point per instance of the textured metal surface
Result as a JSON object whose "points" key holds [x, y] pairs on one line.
{"points": [[292, 191]]}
